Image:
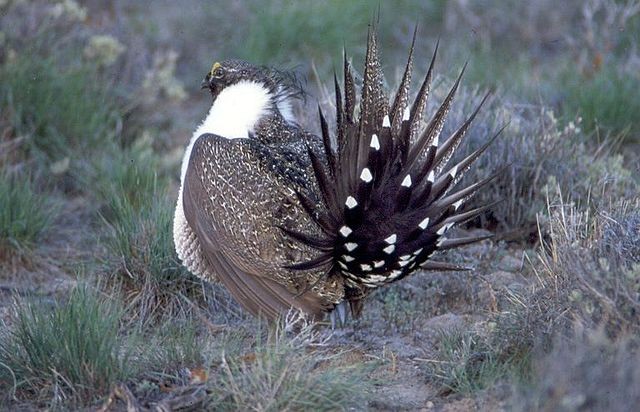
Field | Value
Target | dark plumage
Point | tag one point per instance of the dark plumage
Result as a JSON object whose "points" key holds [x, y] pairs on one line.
{"points": [[286, 219]]}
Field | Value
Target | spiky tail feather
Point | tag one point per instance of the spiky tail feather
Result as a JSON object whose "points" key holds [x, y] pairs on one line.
{"points": [[387, 194]]}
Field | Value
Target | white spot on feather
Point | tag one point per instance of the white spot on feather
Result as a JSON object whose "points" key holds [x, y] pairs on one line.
{"points": [[453, 171], [375, 143], [365, 267], [391, 239], [406, 114], [385, 121], [366, 175], [394, 274], [350, 246], [351, 202], [345, 231], [378, 263], [407, 181], [348, 258], [376, 278], [444, 228], [431, 177], [389, 249], [423, 225]]}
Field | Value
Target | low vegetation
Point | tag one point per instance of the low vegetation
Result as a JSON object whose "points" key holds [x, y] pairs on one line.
{"points": [[466, 363], [585, 297], [290, 372], [591, 372], [25, 215], [64, 353], [605, 101], [62, 112]]}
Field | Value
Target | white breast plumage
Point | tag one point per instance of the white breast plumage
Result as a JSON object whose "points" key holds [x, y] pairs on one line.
{"points": [[234, 115]]}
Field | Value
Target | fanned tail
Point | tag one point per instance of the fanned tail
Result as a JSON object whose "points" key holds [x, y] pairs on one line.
{"points": [[388, 194]]}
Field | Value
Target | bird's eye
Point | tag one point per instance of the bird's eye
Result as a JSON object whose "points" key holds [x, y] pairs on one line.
{"points": [[218, 73]]}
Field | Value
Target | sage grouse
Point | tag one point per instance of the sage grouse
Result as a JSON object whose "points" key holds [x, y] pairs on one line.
{"points": [[285, 219]]}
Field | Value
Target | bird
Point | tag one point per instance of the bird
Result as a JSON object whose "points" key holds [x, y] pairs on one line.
{"points": [[286, 219]]}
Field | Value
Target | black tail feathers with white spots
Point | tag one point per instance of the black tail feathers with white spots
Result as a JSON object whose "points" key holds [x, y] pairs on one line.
{"points": [[388, 195]]}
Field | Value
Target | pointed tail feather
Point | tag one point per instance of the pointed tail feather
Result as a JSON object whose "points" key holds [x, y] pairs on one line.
{"points": [[385, 205]]}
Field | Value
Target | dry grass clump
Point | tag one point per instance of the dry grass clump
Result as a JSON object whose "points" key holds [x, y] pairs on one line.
{"points": [[290, 372], [581, 281], [620, 234], [466, 362], [586, 281], [587, 285], [603, 271]]}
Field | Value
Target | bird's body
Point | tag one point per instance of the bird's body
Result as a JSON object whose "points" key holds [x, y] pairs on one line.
{"points": [[241, 191], [286, 219]]}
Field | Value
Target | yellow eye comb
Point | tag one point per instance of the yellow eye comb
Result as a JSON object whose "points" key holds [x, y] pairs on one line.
{"points": [[214, 67]]}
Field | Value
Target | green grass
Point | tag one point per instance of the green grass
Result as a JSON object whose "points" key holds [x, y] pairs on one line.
{"points": [[142, 259], [494, 68], [124, 183], [65, 112], [25, 214], [298, 35], [57, 107], [314, 30], [608, 101], [64, 351]]}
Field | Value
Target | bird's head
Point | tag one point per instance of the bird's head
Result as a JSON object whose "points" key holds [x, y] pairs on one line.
{"points": [[229, 72], [282, 85]]}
